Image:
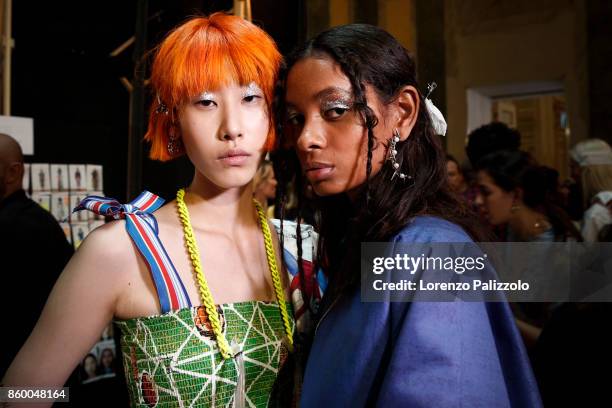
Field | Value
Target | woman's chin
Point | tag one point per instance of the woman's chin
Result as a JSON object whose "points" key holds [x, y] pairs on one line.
{"points": [[325, 189]]}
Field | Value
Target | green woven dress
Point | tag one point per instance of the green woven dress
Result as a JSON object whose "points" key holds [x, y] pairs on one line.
{"points": [[172, 360]]}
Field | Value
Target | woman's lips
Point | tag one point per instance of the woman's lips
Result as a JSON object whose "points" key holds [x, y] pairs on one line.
{"points": [[234, 157], [319, 171]]}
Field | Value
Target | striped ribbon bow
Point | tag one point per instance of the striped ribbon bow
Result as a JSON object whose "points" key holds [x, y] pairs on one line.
{"points": [[142, 227]]}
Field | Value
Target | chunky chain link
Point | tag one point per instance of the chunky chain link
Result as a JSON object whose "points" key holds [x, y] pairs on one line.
{"points": [[206, 296]]}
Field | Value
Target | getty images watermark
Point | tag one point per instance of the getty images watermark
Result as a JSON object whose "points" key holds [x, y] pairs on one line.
{"points": [[459, 265], [519, 272]]}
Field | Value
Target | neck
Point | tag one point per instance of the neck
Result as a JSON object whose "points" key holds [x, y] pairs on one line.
{"points": [[225, 209], [528, 223], [9, 190], [356, 194]]}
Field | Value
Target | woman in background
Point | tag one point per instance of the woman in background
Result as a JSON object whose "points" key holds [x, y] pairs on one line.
{"points": [[514, 190]]}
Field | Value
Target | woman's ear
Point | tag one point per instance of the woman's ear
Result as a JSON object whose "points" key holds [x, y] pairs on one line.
{"points": [[407, 107]]}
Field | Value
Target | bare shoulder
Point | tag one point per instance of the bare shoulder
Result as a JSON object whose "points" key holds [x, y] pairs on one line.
{"points": [[167, 212], [108, 247]]}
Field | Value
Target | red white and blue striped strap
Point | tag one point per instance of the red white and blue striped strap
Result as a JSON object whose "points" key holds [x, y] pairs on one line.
{"points": [[141, 225]]}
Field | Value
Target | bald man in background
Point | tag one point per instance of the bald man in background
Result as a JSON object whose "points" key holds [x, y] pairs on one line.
{"points": [[33, 252]]}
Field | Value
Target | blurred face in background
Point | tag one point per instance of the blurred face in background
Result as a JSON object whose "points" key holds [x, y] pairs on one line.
{"points": [[495, 203], [107, 358], [89, 365], [455, 176], [265, 185]]}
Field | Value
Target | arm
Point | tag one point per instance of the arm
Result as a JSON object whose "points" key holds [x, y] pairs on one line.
{"points": [[80, 305]]}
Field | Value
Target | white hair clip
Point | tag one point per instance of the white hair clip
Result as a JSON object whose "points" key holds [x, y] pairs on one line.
{"points": [[437, 119]]}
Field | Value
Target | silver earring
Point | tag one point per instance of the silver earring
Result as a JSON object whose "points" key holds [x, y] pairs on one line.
{"points": [[161, 107], [392, 157], [175, 146]]}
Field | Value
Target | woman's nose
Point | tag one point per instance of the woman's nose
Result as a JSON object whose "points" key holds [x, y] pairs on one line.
{"points": [[310, 138]]}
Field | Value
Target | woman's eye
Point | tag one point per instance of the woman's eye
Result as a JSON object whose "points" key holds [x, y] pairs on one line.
{"points": [[335, 113], [207, 103], [251, 98], [295, 120]]}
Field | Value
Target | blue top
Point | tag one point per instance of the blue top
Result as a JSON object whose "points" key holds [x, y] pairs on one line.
{"points": [[421, 354]]}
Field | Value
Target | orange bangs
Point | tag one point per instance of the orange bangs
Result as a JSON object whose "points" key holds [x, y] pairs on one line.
{"points": [[207, 54]]}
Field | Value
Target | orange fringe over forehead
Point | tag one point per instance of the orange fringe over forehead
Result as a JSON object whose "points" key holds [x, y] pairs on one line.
{"points": [[205, 54]]}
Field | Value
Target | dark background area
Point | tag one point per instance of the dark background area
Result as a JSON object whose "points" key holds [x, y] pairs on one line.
{"points": [[65, 78]]}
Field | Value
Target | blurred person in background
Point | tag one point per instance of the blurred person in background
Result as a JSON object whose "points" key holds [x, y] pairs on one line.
{"points": [[264, 187], [517, 191], [459, 182], [107, 362], [592, 168], [577, 337], [33, 249], [487, 139]]}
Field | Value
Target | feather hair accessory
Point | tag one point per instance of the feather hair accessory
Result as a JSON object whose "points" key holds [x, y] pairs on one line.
{"points": [[437, 119]]}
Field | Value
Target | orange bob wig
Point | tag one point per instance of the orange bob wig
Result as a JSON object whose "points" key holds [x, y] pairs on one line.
{"points": [[206, 54]]}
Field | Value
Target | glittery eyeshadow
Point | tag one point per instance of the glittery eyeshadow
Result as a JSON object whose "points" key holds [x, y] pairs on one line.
{"points": [[206, 96], [335, 104], [252, 89]]}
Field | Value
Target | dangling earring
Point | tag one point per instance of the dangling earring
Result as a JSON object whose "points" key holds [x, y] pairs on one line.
{"points": [[161, 107], [175, 144], [392, 156]]}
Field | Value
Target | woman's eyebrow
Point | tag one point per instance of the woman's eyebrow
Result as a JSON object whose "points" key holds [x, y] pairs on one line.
{"points": [[332, 91]]}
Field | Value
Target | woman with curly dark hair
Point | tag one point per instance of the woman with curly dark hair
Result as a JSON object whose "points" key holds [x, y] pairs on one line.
{"points": [[366, 142]]}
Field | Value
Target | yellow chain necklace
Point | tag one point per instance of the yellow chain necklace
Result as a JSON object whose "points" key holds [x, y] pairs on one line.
{"points": [[205, 295]]}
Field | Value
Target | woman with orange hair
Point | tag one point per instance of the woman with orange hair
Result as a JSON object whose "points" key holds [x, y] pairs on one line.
{"points": [[196, 289]]}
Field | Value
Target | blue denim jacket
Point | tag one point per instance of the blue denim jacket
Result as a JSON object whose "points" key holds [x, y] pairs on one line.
{"points": [[421, 354]]}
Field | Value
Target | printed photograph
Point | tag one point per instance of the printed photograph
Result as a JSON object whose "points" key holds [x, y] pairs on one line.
{"points": [[94, 177], [43, 199], [59, 177], [80, 216], [40, 177], [60, 206], [101, 361], [78, 181]]}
